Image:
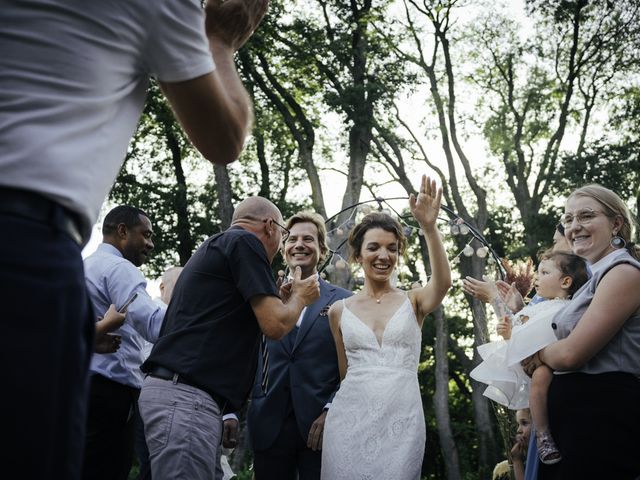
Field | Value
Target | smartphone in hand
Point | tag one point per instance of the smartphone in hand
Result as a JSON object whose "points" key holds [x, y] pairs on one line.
{"points": [[127, 303]]}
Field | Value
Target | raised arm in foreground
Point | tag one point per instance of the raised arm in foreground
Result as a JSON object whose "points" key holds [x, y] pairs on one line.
{"points": [[214, 109]]}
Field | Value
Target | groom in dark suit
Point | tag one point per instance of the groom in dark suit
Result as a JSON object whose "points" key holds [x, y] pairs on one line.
{"points": [[286, 425]]}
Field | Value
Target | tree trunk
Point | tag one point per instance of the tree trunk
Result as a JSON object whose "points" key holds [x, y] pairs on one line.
{"points": [[488, 450], [441, 399], [223, 187], [186, 244]]}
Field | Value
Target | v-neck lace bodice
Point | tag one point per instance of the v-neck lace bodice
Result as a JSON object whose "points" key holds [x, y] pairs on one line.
{"points": [[400, 346]]}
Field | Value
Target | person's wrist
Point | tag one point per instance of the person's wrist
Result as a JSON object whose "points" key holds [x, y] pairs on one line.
{"points": [[220, 48], [428, 228], [298, 300]]}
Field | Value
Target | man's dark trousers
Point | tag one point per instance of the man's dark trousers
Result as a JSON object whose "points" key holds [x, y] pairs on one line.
{"points": [[47, 328], [110, 430], [288, 457]]}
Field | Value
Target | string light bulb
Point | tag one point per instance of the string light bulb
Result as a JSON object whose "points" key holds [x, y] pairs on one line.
{"points": [[468, 251], [482, 252]]}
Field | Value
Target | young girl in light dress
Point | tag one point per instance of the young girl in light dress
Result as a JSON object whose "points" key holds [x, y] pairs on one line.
{"points": [[559, 276]]}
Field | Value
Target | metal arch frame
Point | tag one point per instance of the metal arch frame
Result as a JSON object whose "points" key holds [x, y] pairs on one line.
{"points": [[455, 217]]}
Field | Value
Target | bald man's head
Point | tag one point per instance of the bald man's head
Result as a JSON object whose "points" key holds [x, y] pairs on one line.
{"points": [[261, 217], [256, 208], [168, 281]]}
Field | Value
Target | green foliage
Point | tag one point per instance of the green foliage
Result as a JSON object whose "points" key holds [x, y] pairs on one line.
{"points": [[508, 238], [616, 167], [329, 66], [150, 179]]}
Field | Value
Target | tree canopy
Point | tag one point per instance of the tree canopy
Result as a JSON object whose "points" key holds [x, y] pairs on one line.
{"points": [[355, 98]]}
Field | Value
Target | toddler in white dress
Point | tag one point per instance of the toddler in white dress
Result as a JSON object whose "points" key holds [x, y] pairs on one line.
{"points": [[559, 276]]}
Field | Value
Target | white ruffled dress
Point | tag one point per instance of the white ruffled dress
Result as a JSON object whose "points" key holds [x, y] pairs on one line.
{"points": [[500, 368]]}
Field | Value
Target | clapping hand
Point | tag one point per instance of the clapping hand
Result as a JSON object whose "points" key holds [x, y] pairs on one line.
{"points": [[484, 290], [504, 327], [510, 295], [426, 206], [233, 21]]}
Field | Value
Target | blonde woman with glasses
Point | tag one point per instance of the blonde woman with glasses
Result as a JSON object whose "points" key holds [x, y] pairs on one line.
{"points": [[594, 396]]}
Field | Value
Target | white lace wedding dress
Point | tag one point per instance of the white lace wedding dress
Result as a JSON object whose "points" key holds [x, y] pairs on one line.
{"points": [[375, 428]]}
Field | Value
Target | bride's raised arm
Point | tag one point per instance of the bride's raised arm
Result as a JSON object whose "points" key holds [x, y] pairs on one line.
{"points": [[425, 208]]}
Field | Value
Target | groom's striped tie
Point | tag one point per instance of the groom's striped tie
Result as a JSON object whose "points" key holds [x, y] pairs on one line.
{"points": [[265, 365]]}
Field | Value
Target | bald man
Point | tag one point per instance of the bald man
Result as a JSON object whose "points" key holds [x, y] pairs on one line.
{"points": [[167, 282], [204, 363]]}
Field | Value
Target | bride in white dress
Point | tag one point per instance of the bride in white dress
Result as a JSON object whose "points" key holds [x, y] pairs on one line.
{"points": [[375, 428]]}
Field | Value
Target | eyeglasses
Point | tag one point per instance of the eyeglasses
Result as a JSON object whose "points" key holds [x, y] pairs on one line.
{"points": [[582, 217], [284, 230]]}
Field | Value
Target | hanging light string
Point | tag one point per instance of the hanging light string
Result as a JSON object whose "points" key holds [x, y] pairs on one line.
{"points": [[457, 223]]}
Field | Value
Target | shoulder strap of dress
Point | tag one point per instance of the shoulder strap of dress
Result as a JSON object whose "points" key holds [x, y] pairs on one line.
{"points": [[619, 261]]}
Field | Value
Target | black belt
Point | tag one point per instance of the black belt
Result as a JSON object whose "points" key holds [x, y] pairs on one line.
{"points": [[166, 374], [32, 206]]}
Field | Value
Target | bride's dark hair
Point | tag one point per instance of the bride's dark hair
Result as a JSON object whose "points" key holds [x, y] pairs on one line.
{"points": [[375, 220]]}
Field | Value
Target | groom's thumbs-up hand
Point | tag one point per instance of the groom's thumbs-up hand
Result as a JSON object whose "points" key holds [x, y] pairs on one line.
{"points": [[307, 289]]}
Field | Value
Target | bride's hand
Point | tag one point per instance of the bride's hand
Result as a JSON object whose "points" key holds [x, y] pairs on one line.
{"points": [[426, 206]]}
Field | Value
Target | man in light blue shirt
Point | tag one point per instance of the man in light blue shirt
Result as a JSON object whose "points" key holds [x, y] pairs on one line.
{"points": [[112, 276]]}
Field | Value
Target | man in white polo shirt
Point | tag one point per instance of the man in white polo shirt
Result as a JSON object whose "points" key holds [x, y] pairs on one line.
{"points": [[73, 80]]}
